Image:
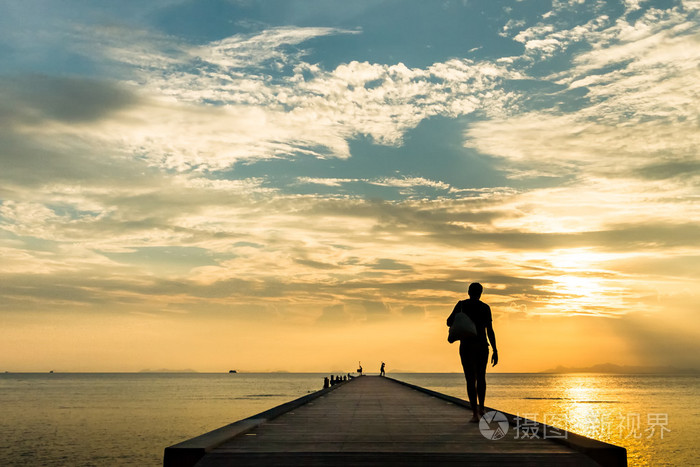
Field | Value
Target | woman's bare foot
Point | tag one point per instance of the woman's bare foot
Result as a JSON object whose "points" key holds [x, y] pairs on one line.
{"points": [[475, 418]]}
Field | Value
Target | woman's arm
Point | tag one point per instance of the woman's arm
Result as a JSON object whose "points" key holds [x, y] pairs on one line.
{"points": [[492, 340]]}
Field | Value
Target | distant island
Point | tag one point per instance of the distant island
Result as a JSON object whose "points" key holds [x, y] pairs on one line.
{"points": [[232, 371], [167, 370], [623, 369]]}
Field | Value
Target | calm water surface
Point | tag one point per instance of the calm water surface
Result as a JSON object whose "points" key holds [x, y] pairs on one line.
{"points": [[127, 419], [632, 411]]}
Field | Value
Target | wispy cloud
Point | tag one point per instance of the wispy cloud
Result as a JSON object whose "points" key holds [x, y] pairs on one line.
{"points": [[274, 104], [639, 91], [268, 49]]}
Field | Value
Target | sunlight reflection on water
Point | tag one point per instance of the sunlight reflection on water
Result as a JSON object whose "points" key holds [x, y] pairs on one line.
{"points": [[625, 410]]}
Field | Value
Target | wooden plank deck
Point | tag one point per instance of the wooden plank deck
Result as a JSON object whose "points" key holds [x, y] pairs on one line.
{"points": [[371, 421]]}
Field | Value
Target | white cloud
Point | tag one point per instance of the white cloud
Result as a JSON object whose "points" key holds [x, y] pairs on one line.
{"points": [[511, 25], [396, 182], [559, 145], [640, 108], [26, 218], [260, 113], [185, 137], [410, 182], [544, 40], [246, 51], [326, 181]]}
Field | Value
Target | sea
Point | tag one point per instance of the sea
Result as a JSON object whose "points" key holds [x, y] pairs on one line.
{"points": [[113, 419]]}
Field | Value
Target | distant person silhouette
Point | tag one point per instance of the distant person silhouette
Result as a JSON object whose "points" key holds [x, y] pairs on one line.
{"points": [[381, 370], [474, 352]]}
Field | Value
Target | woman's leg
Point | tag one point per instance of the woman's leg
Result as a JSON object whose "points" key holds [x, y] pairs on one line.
{"points": [[467, 355], [482, 360]]}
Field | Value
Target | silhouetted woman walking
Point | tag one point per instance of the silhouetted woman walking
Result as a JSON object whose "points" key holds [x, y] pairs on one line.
{"points": [[474, 351]]}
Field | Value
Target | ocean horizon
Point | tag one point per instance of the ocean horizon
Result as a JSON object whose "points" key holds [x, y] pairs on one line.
{"points": [[604, 368], [101, 419]]}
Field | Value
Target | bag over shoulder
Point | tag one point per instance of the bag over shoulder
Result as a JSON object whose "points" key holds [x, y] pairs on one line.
{"points": [[462, 328]]}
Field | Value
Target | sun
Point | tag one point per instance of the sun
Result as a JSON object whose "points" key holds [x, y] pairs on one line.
{"points": [[579, 284]]}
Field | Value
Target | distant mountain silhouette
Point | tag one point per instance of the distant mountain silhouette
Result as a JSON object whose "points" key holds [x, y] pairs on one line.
{"points": [[622, 369]]}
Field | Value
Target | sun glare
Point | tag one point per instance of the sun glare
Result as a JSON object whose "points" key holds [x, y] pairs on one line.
{"points": [[579, 284]]}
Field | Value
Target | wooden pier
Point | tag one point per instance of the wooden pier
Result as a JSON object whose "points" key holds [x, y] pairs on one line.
{"points": [[374, 421]]}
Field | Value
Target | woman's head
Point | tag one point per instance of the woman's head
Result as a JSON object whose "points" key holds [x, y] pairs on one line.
{"points": [[475, 290]]}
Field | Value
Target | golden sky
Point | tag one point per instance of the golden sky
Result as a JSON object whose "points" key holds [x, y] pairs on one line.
{"points": [[281, 186]]}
